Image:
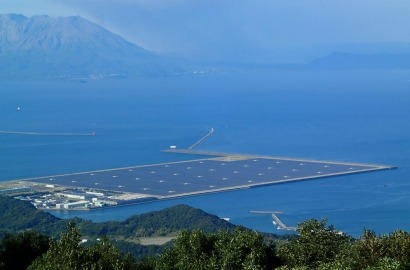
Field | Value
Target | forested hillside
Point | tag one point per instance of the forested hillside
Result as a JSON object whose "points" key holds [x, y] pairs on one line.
{"points": [[203, 241], [318, 246], [16, 215]]}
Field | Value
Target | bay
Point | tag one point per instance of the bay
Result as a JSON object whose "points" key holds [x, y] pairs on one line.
{"points": [[358, 116]]}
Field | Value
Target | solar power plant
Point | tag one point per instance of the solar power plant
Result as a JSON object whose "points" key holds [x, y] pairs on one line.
{"points": [[206, 175]]}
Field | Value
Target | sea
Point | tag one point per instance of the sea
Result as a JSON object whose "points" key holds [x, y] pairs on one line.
{"points": [[354, 116]]}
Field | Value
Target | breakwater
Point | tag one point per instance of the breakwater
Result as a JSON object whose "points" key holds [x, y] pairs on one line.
{"points": [[202, 139], [46, 133]]}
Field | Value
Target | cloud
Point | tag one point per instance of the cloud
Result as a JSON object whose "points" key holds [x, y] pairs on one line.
{"points": [[38, 7]]}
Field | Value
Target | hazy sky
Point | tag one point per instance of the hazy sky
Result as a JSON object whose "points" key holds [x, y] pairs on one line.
{"points": [[238, 30]]}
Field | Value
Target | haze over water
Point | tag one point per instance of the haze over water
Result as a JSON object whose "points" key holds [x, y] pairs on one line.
{"points": [[358, 116]]}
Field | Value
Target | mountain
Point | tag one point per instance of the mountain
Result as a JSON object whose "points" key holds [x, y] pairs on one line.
{"points": [[171, 220], [342, 60], [17, 215], [70, 47]]}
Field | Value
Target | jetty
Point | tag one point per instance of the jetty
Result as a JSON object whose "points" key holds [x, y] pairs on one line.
{"points": [[276, 220], [45, 133], [202, 139]]}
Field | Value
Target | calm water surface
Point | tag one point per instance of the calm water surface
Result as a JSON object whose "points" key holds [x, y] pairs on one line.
{"points": [[344, 116]]}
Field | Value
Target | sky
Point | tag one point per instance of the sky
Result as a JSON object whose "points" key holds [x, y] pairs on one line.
{"points": [[262, 31]]}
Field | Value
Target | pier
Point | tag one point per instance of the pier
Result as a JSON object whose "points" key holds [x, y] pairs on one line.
{"points": [[202, 139], [276, 220]]}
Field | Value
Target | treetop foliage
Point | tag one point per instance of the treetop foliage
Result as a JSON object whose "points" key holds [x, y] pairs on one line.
{"points": [[318, 246], [241, 249], [68, 254]]}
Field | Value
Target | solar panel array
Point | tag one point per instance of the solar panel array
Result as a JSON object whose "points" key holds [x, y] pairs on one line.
{"points": [[204, 175]]}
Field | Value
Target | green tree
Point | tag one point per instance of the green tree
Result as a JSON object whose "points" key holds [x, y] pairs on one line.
{"points": [[68, 254], [191, 250], [398, 247], [105, 256], [387, 264], [64, 253], [244, 250], [375, 251], [241, 249], [147, 263], [368, 249], [316, 245], [18, 251]]}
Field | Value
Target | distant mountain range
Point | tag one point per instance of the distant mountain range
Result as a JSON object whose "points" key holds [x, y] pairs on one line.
{"points": [[70, 47], [43, 47], [342, 60]]}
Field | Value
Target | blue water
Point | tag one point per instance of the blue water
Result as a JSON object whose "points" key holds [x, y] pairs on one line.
{"points": [[360, 116]]}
